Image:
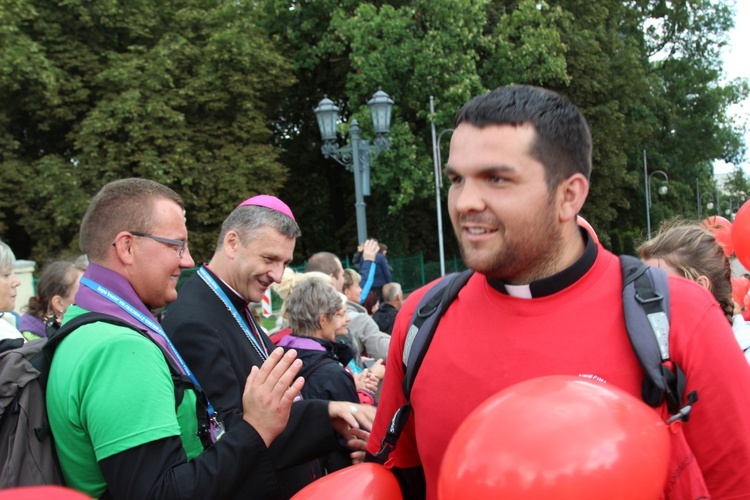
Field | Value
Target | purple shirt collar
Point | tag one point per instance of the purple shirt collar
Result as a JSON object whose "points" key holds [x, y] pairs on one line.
{"points": [[88, 299], [114, 282], [295, 342]]}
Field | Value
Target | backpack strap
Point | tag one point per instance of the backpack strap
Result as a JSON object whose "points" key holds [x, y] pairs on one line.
{"points": [[308, 370], [421, 330], [645, 300], [43, 360], [424, 322]]}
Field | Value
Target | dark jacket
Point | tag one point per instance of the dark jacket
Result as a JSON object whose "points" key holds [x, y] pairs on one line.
{"points": [[330, 380], [382, 271], [221, 356], [384, 317], [326, 378]]}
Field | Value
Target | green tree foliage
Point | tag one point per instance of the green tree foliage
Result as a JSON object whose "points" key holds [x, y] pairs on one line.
{"points": [[646, 76], [177, 92], [694, 128], [216, 100], [412, 50]]}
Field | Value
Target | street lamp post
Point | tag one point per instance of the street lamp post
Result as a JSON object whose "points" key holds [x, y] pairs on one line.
{"points": [[662, 190], [735, 200], [701, 197], [355, 156], [438, 184]]}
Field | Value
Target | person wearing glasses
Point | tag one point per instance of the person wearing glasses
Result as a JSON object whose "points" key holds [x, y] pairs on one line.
{"points": [[121, 427], [315, 312], [212, 325]]}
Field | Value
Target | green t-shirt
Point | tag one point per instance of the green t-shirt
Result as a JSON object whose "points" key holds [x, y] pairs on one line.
{"points": [[110, 390]]}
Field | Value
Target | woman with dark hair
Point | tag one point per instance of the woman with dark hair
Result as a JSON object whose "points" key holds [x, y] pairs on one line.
{"points": [[56, 290], [691, 251]]}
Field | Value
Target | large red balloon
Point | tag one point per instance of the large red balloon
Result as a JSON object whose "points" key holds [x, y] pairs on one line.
{"points": [[722, 230], [368, 481], [585, 224], [741, 235], [558, 437], [740, 287]]}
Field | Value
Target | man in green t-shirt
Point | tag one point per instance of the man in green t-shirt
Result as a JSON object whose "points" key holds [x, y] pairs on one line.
{"points": [[119, 425]]}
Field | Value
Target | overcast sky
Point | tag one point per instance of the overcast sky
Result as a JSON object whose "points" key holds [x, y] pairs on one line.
{"points": [[736, 64]]}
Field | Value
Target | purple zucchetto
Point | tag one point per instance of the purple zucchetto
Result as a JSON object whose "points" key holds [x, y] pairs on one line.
{"points": [[268, 201]]}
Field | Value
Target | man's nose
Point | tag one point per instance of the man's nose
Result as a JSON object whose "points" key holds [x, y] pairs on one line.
{"points": [[468, 197]]}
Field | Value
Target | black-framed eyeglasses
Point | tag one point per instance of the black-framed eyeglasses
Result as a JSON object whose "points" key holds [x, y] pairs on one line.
{"points": [[181, 245]]}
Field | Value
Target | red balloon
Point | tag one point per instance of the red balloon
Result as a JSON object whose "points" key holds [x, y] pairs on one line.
{"points": [[722, 230], [585, 224], [367, 481], [42, 493], [560, 437], [740, 287], [741, 235]]}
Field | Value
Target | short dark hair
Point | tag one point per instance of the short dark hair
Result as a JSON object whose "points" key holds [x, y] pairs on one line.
{"points": [[122, 205], [563, 139]]}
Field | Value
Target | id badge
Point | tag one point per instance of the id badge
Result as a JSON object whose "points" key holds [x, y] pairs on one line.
{"points": [[216, 429]]}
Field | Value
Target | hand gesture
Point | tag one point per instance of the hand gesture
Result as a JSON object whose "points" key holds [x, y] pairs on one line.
{"points": [[377, 368], [346, 417], [370, 249], [358, 445], [270, 392], [367, 381]]}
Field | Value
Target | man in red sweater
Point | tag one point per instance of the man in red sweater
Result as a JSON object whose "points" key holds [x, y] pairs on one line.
{"points": [[547, 300]]}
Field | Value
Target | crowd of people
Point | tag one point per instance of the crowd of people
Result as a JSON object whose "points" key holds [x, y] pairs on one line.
{"points": [[226, 371], [204, 402]]}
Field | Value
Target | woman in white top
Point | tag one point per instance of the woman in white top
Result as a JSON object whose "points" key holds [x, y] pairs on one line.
{"points": [[8, 285], [690, 250]]}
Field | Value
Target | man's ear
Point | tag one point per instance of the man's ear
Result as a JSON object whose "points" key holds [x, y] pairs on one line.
{"points": [[571, 194], [231, 242], [123, 247]]}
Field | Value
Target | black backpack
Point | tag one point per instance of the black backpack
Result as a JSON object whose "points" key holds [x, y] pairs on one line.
{"points": [[27, 451], [645, 299]]}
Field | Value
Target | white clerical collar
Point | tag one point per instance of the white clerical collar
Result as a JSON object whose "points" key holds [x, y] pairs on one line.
{"points": [[520, 291]]}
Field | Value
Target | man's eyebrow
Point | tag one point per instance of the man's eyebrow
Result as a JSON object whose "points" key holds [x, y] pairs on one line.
{"points": [[487, 171]]}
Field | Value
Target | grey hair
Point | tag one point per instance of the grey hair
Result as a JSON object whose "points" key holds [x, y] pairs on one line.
{"points": [[251, 219], [391, 291], [7, 258], [291, 279], [308, 301]]}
